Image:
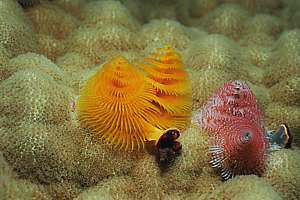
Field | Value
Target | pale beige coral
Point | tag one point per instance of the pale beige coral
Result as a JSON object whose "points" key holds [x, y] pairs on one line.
{"points": [[136, 8], [4, 58], [131, 55], [257, 39], [99, 13], [182, 12], [50, 19], [21, 189], [12, 8], [159, 9], [262, 94], [289, 41], [14, 188], [283, 173], [66, 190], [93, 42], [44, 153], [117, 188], [74, 7], [147, 178], [5, 169], [99, 161], [36, 62], [277, 114], [264, 23], [261, 30], [284, 60], [34, 96], [199, 8], [227, 19], [253, 74], [245, 187], [79, 78], [175, 196], [190, 12], [256, 55], [73, 62], [204, 184], [16, 33], [257, 6], [290, 7], [287, 91], [50, 47], [195, 33], [147, 181], [165, 32], [191, 171], [213, 51], [205, 82], [295, 20]]}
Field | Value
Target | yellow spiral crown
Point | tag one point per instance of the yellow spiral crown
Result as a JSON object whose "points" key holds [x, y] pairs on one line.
{"points": [[126, 107], [172, 88], [115, 104]]}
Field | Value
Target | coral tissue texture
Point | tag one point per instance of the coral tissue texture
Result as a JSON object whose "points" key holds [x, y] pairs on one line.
{"points": [[88, 86]]}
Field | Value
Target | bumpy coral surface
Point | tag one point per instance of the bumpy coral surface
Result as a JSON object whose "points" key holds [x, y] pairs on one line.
{"points": [[35, 62], [49, 49], [93, 42], [49, 19], [205, 82], [257, 39], [4, 58], [165, 32], [199, 8], [32, 150], [263, 23], [245, 187], [277, 113], [213, 51], [227, 19], [74, 62], [34, 97], [109, 190], [98, 13], [99, 161], [284, 58], [74, 7], [191, 171], [284, 173], [16, 34], [287, 91], [257, 56]]}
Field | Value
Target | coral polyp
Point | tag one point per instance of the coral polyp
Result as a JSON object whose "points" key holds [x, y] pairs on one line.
{"points": [[115, 104], [172, 88]]}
